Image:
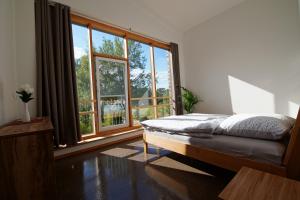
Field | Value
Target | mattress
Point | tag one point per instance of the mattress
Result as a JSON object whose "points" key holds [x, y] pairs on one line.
{"points": [[256, 149]]}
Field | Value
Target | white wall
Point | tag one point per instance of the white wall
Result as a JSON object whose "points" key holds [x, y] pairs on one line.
{"points": [[25, 48], [299, 6], [246, 59], [7, 65], [17, 48]]}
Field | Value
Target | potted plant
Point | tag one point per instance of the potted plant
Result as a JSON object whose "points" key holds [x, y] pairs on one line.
{"points": [[189, 100], [25, 94]]}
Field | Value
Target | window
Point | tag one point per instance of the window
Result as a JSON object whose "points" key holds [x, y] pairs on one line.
{"points": [[163, 82], [145, 61], [139, 56], [112, 93], [122, 78], [83, 76]]}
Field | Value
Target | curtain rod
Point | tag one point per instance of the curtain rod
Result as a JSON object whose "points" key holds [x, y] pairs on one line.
{"points": [[125, 29]]}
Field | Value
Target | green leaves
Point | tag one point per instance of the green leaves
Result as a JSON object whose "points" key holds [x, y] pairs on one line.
{"points": [[189, 100], [24, 96]]}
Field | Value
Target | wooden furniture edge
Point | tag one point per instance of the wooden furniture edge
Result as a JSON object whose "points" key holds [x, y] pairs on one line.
{"points": [[222, 194], [251, 183], [291, 159], [36, 126], [219, 159]]}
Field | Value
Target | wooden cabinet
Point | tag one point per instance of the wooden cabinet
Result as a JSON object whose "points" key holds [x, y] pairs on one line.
{"points": [[254, 184], [26, 160]]}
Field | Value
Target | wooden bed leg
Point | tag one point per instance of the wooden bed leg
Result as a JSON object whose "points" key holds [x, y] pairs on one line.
{"points": [[157, 151], [145, 145]]}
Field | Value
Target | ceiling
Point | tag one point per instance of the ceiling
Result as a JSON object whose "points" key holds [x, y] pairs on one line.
{"points": [[185, 14]]}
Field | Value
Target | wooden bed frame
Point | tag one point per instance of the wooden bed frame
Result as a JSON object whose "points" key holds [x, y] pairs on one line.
{"points": [[290, 166]]}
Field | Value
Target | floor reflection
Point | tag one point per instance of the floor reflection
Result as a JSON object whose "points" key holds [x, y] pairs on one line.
{"points": [[123, 172]]}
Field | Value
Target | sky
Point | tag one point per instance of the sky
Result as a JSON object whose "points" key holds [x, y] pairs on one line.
{"points": [[81, 47]]}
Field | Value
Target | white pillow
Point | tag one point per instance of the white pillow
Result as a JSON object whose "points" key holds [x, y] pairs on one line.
{"points": [[262, 126]]}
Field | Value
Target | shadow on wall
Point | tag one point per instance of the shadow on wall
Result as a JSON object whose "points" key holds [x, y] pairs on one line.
{"points": [[248, 98]]}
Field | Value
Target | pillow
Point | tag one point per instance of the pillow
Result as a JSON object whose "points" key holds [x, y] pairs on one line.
{"points": [[262, 126]]}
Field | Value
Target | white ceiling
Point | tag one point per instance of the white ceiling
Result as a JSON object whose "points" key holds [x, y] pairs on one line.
{"points": [[185, 14]]}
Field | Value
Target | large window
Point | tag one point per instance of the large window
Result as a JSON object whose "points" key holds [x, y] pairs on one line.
{"points": [[84, 81], [122, 78]]}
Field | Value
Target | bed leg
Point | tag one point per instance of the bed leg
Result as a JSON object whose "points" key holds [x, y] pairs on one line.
{"points": [[145, 147], [157, 151]]}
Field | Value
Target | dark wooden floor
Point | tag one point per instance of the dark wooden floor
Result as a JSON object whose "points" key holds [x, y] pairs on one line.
{"points": [[123, 172]]}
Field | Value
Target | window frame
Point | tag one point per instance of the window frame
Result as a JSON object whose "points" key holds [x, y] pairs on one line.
{"points": [[127, 35]]}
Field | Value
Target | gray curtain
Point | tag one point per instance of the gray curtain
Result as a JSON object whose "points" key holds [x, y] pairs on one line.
{"points": [[56, 79], [176, 76]]}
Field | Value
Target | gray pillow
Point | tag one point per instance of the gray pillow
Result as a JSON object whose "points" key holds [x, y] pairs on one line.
{"points": [[261, 126]]}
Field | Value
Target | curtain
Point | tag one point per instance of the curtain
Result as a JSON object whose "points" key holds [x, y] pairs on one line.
{"points": [[176, 77], [56, 78]]}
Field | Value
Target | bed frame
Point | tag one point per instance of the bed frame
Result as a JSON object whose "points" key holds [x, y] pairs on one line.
{"points": [[290, 166]]}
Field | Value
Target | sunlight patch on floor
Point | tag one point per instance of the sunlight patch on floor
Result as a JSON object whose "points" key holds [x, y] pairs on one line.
{"points": [[136, 144], [120, 152], [170, 163], [141, 157], [179, 188]]}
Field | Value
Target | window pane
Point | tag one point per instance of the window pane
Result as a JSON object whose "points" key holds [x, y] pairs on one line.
{"points": [[142, 114], [107, 43], [163, 111], [111, 77], [85, 106], [112, 96], [142, 102], [140, 69], [86, 123], [83, 76], [163, 75], [163, 101], [113, 111]]}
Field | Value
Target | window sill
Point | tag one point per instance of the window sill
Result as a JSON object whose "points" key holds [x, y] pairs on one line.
{"points": [[109, 133]]}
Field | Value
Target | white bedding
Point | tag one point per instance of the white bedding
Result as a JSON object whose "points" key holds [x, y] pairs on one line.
{"points": [[260, 126], [190, 123]]}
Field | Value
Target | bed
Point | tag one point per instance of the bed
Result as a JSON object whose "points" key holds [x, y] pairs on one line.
{"points": [[228, 151]]}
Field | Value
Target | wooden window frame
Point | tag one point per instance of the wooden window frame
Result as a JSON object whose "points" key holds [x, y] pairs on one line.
{"points": [[91, 24]]}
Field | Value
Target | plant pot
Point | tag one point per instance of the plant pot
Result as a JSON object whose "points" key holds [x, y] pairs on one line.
{"points": [[26, 117]]}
